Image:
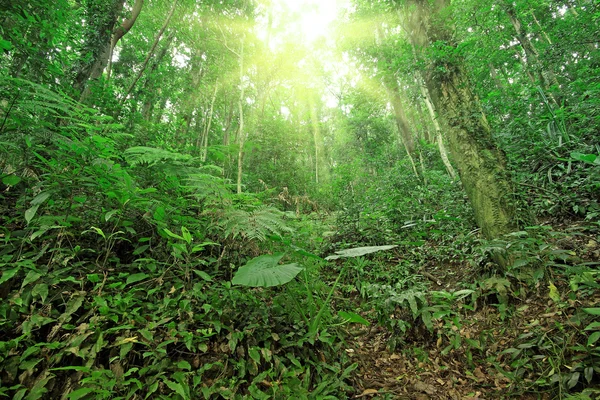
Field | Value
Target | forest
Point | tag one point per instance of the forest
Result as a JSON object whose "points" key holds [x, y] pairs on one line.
{"points": [[310, 199]]}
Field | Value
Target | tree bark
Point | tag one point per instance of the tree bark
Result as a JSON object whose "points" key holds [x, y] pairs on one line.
{"points": [[149, 85], [101, 17], [121, 31], [481, 165], [405, 134], [547, 77], [206, 130], [150, 53], [241, 133]]}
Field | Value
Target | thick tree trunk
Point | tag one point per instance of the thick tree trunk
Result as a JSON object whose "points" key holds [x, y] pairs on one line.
{"points": [[481, 165]]}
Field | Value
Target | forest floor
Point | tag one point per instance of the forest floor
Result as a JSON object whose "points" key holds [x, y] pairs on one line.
{"points": [[496, 363]]}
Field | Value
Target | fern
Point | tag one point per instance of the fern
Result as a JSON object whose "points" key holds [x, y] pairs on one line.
{"points": [[151, 156], [255, 224]]}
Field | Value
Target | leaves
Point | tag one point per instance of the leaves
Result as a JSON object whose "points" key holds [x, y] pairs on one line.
{"points": [[264, 271], [353, 318], [136, 278], [359, 251]]}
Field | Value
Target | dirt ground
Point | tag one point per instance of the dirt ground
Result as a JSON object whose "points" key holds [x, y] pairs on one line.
{"points": [[421, 367]]}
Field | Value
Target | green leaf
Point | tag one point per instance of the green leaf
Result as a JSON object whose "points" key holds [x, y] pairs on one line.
{"points": [[587, 158], [32, 276], [41, 289], [264, 271], [359, 251], [184, 365], [72, 306], [11, 180], [30, 213], [173, 235], [87, 370], [5, 44], [592, 326], [141, 249], [152, 389], [109, 215], [593, 338], [159, 214], [593, 311], [6, 275], [353, 318], [254, 354], [40, 198], [187, 236], [80, 393], [203, 275], [177, 388], [200, 247], [20, 394], [136, 278]]}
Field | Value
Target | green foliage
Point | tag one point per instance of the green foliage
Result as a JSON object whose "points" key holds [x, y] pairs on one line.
{"points": [[255, 224], [130, 269], [264, 271]]}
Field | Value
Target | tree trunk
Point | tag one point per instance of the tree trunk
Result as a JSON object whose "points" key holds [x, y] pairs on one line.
{"points": [[241, 134], [122, 31], [149, 86], [405, 134], [438, 129], [101, 19], [150, 53], [206, 131], [316, 135], [547, 78], [481, 165]]}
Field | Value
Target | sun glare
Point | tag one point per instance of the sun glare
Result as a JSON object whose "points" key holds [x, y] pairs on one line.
{"points": [[309, 20]]}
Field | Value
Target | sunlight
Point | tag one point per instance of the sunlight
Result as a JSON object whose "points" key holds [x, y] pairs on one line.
{"points": [[309, 20]]}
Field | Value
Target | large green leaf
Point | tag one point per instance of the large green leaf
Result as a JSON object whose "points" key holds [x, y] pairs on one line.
{"points": [[264, 271], [359, 251]]}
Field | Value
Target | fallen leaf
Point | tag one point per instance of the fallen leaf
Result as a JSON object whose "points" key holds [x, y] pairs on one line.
{"points": [[368, 392], [479, 374], [424, 387]]}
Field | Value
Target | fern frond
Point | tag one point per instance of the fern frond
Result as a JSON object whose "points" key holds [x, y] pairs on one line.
{"points": [[151, 156], [255, 224]]}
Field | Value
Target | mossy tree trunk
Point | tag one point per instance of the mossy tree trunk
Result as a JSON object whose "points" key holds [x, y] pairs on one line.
{"points": [[480, 163]]}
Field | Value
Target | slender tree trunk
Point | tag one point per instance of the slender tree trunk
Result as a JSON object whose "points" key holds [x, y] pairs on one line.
{"points": [[121, 31], [438, 129], [241, 132], [316, 135], [405, 135], [547, 78], [149, 85], [481, 165], [206, 131], [150, 53]]}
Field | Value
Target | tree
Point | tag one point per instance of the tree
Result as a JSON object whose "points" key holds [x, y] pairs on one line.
{"points": [[481, 164], [101, 18]]}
